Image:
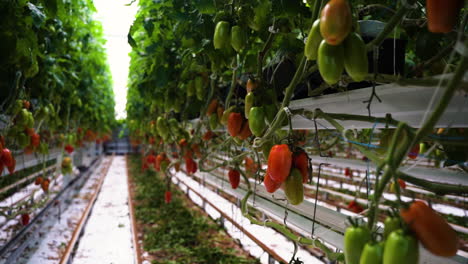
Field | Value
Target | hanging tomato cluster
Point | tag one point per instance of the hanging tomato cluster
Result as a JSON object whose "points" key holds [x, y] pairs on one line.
{"points": [[402, 233], [334, 46], [288, 169]]}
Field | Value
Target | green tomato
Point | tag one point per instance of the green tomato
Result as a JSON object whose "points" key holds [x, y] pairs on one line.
{"points": [[372, 253], [17, 107], [190, 88], [23, 139], [391, 224], [199, 88], [23, 118], [257, 121], [173, 125], [330, 61], [355, 239], [221, 38], [225, 117], [30, 120], [213, 121], [238, 38], [313, 41], [401, 248], [355, 57], [423, 147], [270, 112], [162, 127], [248, 103], [43, 148], [293, 187]]}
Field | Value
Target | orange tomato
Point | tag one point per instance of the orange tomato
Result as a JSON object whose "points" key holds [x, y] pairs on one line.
{"points": [[431, 229], [251, 85], [212, 107], [442, 15]]}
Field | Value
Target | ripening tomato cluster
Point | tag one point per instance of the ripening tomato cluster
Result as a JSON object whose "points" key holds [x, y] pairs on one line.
{"points": [[288, 169], [335, 47], [6, 159], [402, 233], [159, 162], [43, 182]]}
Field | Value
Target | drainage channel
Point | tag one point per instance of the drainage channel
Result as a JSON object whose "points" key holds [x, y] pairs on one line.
{"points": [[50, 235]]}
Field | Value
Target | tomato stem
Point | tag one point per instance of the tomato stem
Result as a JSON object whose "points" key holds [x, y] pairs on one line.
{"points": [[396, 18]]}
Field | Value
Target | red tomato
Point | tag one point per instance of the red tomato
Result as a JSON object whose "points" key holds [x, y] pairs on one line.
{"points": [[270, 185], [6, 157], [208, 135], [26, 104], [196, 149], [250, 166], [183, 142], [167, 196], [150, 159], [25, 219], [35, 140], [191, 166], [279, 162], [45, 185], [38, 180], [159, 159], [144, 167], [355, 207], [402, 183], [2, 143], [431, 229], [177, 167], [234, 178], [30, 131], [414, 152], [348, 172], [69, 148], [212, 107], [234, 124], [245, 131], [301, 162]]}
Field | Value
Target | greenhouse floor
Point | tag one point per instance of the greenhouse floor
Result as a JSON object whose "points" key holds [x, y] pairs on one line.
{"points": [[107, 236]]}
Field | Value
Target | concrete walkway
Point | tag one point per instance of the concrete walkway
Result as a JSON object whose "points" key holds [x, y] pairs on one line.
{"points": [[107, 236]]}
